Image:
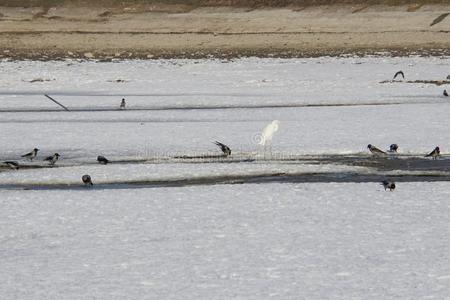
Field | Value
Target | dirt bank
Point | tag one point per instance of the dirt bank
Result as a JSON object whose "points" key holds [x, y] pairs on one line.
{"points": [[174, 30], [201, 3]]}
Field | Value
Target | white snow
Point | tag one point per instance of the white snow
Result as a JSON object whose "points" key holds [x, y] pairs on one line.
{"points": [[243, 81], [122, 173], [282, 241], [417, 126], [243, 241]]}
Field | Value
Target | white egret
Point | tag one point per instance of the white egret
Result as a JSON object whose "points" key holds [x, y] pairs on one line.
{"points": [[267, 134]]}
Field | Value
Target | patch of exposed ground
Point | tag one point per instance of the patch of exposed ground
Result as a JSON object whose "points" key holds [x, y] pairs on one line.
{"points": [[177, 30]]}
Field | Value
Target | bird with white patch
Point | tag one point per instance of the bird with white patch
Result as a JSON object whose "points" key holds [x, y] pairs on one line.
{"points": [[87, 180], [123, 104], [375, 151], [31, 154], [12, 164], [52, 159], [388, 185], [267, 134], [393, 148], [435, 153]]}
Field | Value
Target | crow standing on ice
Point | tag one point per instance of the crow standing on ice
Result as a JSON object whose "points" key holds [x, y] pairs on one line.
{"points": [[31, 155], [225, 149], [52, 159], [86, 180], [388, 185], [445, 93], [435, 153], [122, 104], [399, 73], [375, 151], [393, 148], [102, 160]]}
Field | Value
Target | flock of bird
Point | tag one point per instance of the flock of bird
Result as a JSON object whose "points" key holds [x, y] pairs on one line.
{"points": [[394, 147], [266, 136], [390, 185], [226, 150], [86, 179], [52, 159]]}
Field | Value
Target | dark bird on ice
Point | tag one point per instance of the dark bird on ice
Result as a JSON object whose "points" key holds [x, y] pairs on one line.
{"points": [[445, 93], [31, 155], [86, 180], [225, 149], [393, 148], [122, 104], [12, 164], [52, 159], [388, 185], [375, 151], [399, 73], [435, 153], [102, 160]]}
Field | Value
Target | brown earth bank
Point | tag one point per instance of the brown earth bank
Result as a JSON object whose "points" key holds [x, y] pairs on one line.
{"points": [[109, 29], [198, 3]]}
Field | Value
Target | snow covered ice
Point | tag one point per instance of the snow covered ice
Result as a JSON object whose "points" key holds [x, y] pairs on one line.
{"points": [[198, 240], [281, 241]]}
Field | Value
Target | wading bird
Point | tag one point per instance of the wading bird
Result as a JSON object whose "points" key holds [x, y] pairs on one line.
{"points": [[267, 134]]}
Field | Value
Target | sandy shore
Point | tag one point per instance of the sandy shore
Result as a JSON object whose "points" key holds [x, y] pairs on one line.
{"points": [[107, 33]]}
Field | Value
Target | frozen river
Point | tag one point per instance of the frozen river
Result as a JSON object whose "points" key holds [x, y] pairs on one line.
{"points": [[171, 219]]}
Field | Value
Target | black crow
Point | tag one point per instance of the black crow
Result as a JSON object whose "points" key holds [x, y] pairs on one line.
{"points": [[102, 160], [225, 149], [399, 73]]}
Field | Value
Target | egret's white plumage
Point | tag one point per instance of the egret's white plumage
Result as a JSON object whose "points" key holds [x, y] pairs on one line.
{"points": [[267, 133]]}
